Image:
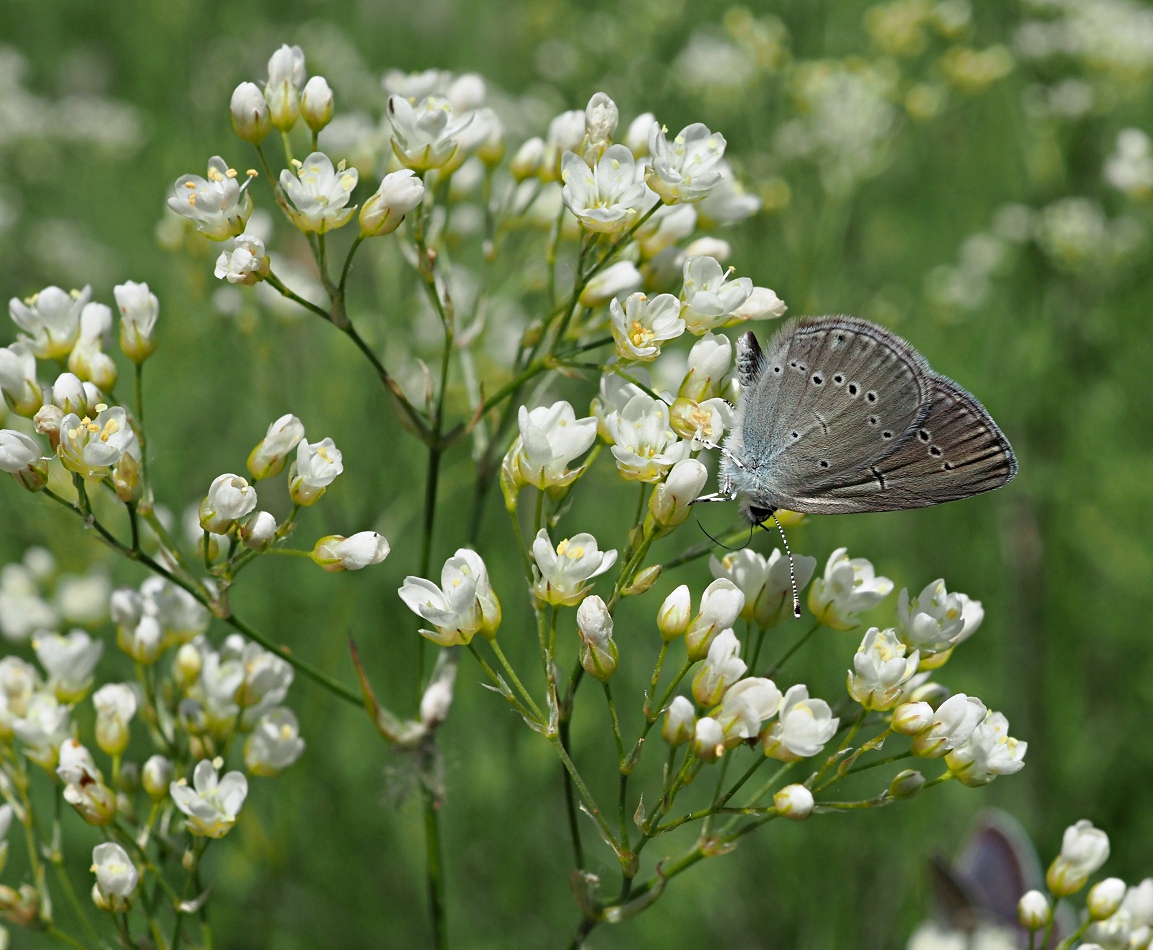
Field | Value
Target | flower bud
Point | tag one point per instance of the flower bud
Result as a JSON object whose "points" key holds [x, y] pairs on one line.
{"points": [[906, 784], [336, 553], [94, 801], [156, 777], [721, 604], [932, 693], [708, 739], [619, 279], [139, 310], [68, 394], [317, 103], [598, 653], [1105, 898], [269, 455], [675, 613], [259, 531], [680, 722], [527, 160], [187, 665], [436, 702], [250, 119], [282, 92], [637, 136], [398, 194], [229, 498], [794, 802], [126, 479], [21, 458], [670, 500], [47, 422], [115, 706], [643, 581], [1033, 910], [909, 719]]}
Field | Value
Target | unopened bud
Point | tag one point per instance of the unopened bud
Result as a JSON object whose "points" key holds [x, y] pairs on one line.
{"points": [[398, 194], [527, 160], [156, 777], [680, 722], [259, 531], [1033, 910], [794, 802], [675, 613], [911, 719], [670, 500], [317, 103], [906, 784], [932, 693], [1105, 898], [708, 739], [643, 581], [250, 119], [187, 665]]}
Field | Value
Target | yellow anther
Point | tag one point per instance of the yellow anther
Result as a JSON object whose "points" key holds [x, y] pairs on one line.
{"points": [[218, 763], [100, 407], [252, 173], [297, 163], [231, 173], [190, 184], [562, 547]]}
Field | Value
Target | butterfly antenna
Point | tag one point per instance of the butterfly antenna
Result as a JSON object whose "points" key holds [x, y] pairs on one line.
{"points": [[721, 544], [792, 569]]}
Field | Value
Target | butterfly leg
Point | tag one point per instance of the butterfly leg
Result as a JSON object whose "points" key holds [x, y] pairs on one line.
{"points": [[715, 496]]}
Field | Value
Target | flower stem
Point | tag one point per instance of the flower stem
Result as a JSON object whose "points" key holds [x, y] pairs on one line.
{"points": [[434, 871], [792, 650]]}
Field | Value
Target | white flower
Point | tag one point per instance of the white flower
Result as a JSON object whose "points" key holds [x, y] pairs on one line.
{"points": [[598, 654], [565, 134], [637, 135], [1033, 910], [249, 112], [68, 394], [721, 604], [51, 320], [317, 103], [139, 310], [935, 620], [849, 587], [563, 574], [319, 193], [76, 764], [91, 448], [155, 777], [794, 802], [22, 610], [709, 299], [701, 424], [316, 467], [668, 224], [802, 728], [1130, 167], [614, 394], [761, 304], [674, 614], [268, 458], [424, 135], [455, 608], [708, 739], [399, 192], [601, 118], [142, 637], [211, 804], [526, 163], [642, 325], [1083, 850], [644, 443], [616, 279], [723, 666], [218, 204], [42, 727], [88, 359], [116, 876], [670, 500], [765, 582], [1104, 899], [22, 458], [880, 669], [607, 197], [282, 91], [180, 614], [18, 378], [727, 201], [1138, 902], [19, 682], [990, 752], [337, 553], [229, 498], [680, 722], [747, 704], [274, 744], [685, 169], [69, 662], [952, 726], [437, 698], [84, 598], [259, 531], [84, 784], [247, 263], [550, 438], [115, 706]]}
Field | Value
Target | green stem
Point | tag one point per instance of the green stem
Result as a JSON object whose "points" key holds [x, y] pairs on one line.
{"points": [[58, 934], [792, 650], [348, 263], [435, 871], [622, 789], [140, 436], [525, 695]]}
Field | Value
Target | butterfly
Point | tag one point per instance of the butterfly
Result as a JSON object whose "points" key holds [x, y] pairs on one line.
{"points": [[840, 415]]}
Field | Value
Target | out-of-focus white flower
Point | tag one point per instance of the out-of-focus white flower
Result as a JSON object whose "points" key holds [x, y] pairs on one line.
{"points": [[91, 448], [88, 359], [550, 438], [727, 201], [42, 727], [747, 704], [1130, 167], [951, 727], [669, 503], [249, 111], [598, 653], [482, 136], [935, 620], [115, 706], [802, 728], [218, 205], [211, 804], [709, 298], [723, 666], [565, 134], [76, 764], [761, 304], [686, 168], [156, 776], [424, 135], [1033, 910], [794, 802], [644, 443], [614, 394], [668, 224], [848, 588], [116, 877], [317, 103], [607, 197], [990, 752], [282, 91], [461, 607], [526, 163], [765, 582], [338, 553], [247, 263], [1138, 903], [601, 118], [399, 192], [1083, 850], [564, 573], [22, 458], [51, 320], [709, 361], [229, 498], [615, 280], [1104, 899], [180, 614], [268, 457], [19, 682], [69, 662], [83, 598], [18, 378], [274, 744], [319, 193], [437, 698], [680, 722], [637, 135], [22, 610], [708, 739], [643, 324], [721, 604], [316, 467], [139, 310], [880, 668]]}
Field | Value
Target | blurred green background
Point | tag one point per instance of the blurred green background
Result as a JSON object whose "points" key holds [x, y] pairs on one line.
{"points": [[873, 196]]}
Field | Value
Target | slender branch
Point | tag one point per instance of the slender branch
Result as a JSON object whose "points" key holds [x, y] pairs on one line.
{"points": [[435, 873], [792, 650]]}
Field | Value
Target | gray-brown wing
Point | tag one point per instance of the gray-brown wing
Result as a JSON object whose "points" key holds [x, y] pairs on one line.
{"points": [[956, 451], [834, 396]]}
